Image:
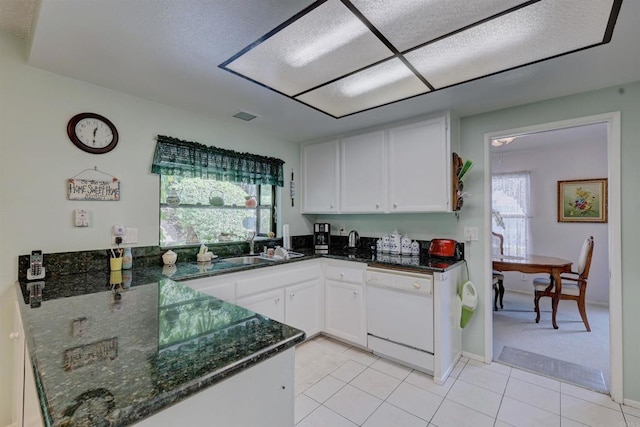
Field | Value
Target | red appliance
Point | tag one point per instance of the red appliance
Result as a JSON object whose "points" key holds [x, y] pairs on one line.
{"points": [[444, 248]]}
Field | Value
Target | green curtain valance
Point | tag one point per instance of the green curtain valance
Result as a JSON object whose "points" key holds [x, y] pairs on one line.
{"points": [[191, 159]]}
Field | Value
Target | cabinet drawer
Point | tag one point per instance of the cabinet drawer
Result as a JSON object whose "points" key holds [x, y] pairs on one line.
{"points": [[265, 282], [343, 273]]}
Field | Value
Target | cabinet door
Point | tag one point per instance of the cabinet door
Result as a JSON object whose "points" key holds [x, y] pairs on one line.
{"points": [[419, 179], [303, 308], [220, 287], [320, 177], [19, 351], [345, 316], [28, 413], [363, 173], [262, 395], [270, 304]]}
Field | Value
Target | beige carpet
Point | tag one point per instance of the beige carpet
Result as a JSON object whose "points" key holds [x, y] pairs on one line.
{"points": [[515, 327]]}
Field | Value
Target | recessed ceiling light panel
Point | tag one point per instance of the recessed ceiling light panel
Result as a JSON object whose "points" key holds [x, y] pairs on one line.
{"points": [[539, 31], [346, 56], [322, 45], [409, 23], [387, 82]]}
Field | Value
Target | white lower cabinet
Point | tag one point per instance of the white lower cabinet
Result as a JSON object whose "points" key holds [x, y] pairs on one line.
{"points": [[270, 304], [222, 287], [292, 294], [27, 409], [303, 306], [345, 312], [345, 303], [262, 395]]}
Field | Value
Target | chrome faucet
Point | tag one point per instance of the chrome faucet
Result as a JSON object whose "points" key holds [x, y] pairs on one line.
{"points": [[250, 236]]}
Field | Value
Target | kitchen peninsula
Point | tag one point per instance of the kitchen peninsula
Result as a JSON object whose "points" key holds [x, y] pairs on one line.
{"points": [[157, 353]]}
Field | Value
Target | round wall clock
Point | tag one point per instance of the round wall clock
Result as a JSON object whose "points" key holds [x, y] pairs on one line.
{"points": [[92, 133]]}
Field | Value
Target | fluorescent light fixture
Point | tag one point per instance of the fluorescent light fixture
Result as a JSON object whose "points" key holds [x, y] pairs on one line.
{"points": [[342, 57]]}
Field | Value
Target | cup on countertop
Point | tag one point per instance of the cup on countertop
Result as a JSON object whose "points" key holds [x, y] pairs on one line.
{"points": [[115, 264]]}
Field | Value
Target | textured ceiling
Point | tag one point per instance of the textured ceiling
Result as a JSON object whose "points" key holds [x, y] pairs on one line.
{"points": [[16, 17], [169, 51]]}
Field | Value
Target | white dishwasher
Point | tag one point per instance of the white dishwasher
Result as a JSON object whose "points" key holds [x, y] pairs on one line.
{"points": [[400, 317]]}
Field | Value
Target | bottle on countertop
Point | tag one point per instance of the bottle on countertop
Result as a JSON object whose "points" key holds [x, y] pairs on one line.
{"points": [[127, 259]]}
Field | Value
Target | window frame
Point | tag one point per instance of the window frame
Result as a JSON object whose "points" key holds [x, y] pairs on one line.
{"points": [[257, 209]]}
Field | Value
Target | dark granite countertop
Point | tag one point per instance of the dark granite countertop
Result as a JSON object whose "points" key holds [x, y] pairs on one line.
{"points": [[135, 341], [108, 356]]}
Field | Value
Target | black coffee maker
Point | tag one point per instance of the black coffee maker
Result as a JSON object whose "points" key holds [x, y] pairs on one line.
{"points": [[321, 237]]}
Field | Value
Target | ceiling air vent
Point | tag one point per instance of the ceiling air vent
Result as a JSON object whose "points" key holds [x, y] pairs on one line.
{"points": [[243, 115]]}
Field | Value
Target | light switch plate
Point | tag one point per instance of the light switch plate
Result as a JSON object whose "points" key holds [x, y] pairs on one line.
{"points": [[131, 235], [81, 218], [470, 233]]}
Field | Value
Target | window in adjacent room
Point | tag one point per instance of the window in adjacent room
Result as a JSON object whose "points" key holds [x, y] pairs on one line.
{"points": [[511, 211]]}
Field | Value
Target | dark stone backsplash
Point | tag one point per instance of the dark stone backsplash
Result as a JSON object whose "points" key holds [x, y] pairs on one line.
{"points": [[64, 263]]}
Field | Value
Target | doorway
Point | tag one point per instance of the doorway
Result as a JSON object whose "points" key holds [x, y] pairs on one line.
{"points": [[608, 243]]}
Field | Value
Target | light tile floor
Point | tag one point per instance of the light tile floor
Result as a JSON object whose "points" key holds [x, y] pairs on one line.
{"points": [[339, 385]]}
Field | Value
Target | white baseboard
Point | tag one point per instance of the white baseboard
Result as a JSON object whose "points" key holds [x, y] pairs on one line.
{"points": [[632, 403], [475, 357]]}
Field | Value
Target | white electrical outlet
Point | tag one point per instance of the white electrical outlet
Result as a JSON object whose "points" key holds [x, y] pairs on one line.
{"points": [[129, 236]]}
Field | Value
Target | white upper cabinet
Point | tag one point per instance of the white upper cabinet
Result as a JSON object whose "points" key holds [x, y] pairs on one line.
{"points": [[405, 168], [320, 177], [419, 167], [363, 186]]}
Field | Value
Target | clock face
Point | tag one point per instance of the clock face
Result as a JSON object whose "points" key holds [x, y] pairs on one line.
{"points": [[92, 133]]}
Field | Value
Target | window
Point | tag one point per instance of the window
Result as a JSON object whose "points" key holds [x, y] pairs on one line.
{"points": [[510, 207], [197, 210], [210, 194]]}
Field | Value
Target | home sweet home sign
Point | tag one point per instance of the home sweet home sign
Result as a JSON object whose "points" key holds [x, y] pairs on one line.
{"points": [[88, 189]]}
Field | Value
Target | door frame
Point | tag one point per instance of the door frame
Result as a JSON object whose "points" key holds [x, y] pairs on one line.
{"points": [[612, 120]]}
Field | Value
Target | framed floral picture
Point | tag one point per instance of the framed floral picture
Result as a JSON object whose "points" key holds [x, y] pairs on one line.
{"points": [[582, 200]]}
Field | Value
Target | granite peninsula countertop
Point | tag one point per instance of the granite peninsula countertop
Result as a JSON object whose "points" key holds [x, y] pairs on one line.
{"points": [[133, 342], [112, 357]]}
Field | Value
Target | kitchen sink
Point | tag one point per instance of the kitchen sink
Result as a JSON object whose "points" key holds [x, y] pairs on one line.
{"points": [[249, 259]]}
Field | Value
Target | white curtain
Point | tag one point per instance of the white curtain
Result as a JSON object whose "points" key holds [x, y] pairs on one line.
{"points": [[511, 210]]}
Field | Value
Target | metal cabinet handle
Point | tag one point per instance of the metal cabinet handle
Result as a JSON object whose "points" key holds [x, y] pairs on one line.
{"points": [[14, 335], [292, 294], [277, 299], [377, 205], [330, 206], [395, 205], [355, 292], [416, 285]]}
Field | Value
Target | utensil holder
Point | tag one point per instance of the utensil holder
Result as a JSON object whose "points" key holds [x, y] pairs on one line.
{"points": [[115, 263]]}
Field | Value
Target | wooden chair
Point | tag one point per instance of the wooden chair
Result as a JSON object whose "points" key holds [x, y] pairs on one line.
{"points": [[498, 277], [574, 284]]}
